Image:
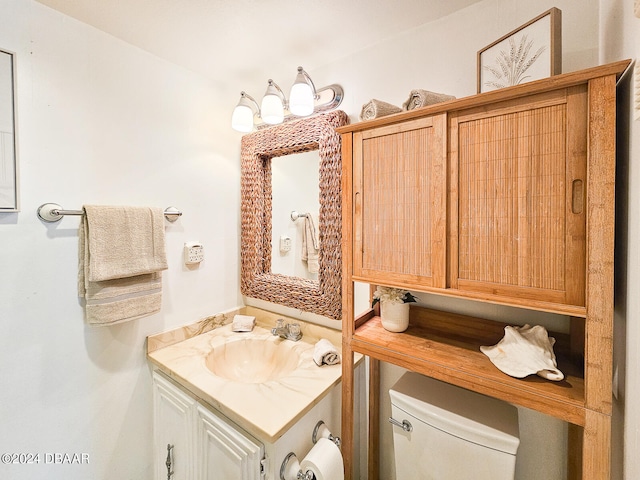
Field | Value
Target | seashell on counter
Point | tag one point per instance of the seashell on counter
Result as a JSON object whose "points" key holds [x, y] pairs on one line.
{"points": [[525, 351]]}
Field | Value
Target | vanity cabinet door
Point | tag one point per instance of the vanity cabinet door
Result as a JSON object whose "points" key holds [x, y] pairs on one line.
{"points": [[518, 198], [399, 202], [173, 415], [202, 444], [224, 452]]}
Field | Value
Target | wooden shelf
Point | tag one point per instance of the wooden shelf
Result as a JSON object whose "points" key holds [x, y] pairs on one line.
{"points": [[446, 346], [510, 301]]}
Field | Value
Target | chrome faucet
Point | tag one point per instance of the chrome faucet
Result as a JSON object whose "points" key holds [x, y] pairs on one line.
{"points": [[290, 331]]}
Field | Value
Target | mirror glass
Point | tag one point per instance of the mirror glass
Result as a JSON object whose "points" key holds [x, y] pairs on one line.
{"points": [[295, 181], [8, 177], [261, 153]]}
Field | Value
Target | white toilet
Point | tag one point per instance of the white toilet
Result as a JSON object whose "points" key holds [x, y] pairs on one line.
{"points": [[443, 432]]}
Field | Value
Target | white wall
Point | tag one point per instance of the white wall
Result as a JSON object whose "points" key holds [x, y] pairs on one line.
{"points": [[620, 38], [441, 56], [102, 122]]}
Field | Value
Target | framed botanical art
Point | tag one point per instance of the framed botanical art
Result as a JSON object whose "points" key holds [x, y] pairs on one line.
{"points": [[530, 52]]}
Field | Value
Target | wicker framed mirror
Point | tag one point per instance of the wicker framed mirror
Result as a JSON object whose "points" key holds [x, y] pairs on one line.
{"points": [[322, 296]]}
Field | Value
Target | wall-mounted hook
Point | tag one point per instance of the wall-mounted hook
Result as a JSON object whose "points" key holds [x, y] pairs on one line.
{"points": [[295, 215]]}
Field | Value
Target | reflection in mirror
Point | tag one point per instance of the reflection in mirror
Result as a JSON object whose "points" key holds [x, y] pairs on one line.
{"points": [[260, 151], [295, 181], [8, 180]]}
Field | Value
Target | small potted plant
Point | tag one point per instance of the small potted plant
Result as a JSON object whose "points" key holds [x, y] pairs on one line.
{"points": [[394, 307]]}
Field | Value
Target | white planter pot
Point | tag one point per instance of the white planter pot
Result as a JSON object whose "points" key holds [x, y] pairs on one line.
{"points": [[394, 316]]}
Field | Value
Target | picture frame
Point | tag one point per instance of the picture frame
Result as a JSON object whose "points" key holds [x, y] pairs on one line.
{"points": [[9, 198], [530, 52]]}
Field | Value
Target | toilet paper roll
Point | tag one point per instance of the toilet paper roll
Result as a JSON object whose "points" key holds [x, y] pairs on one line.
{"points": [[324, 460]]}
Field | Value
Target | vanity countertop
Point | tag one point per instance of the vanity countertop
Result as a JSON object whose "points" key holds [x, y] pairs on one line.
{"points": [[266, 410]]}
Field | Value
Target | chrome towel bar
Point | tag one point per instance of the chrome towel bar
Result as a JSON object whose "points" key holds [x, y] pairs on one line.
{"points": [[52, 212]]}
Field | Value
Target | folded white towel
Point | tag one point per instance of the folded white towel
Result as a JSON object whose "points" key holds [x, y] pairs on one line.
{"points": [[121, 252], [310, 245], [324, 353], [243, 323], [124, 241]]}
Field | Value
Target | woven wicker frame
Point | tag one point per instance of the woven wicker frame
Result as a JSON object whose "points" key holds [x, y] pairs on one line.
{"points": [[322, 296]]}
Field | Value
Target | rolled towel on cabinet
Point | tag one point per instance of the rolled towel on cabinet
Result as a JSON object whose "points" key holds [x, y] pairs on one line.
{"points": [[377, 108], [423, 98], [325, 353]]}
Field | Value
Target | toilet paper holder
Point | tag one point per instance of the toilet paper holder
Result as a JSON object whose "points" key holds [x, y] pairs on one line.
{"points": [[294, 471], [321, 431]]}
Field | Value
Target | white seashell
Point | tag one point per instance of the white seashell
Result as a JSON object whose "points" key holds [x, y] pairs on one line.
{"points": [[524, 351]]}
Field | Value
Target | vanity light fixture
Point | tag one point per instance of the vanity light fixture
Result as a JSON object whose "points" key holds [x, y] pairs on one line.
{"points": [[303, 95], [273, 103], [242, 118], [304, 100]]}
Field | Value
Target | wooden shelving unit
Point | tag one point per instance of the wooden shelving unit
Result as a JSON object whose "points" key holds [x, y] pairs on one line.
{"points": [[570, 273]]}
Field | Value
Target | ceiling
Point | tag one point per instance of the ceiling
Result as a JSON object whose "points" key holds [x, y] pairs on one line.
{"points": [[239, 44]]}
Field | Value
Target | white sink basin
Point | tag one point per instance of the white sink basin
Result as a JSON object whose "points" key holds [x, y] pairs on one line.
{"points": [[253, 360], [251, 377]]}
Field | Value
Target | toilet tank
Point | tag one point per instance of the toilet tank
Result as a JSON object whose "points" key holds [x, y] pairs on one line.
{"points": [[455, 434]]}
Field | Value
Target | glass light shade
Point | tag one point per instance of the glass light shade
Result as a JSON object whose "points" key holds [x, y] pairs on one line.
{"points": [[242, 119], [272, 110], [301, 101]]}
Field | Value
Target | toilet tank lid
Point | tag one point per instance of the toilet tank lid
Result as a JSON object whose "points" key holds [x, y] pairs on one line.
{"points": [[465, 414]]}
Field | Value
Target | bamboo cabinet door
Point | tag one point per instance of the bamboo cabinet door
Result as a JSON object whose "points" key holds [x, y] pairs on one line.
{"points": [[517, 198], [399, 199]]}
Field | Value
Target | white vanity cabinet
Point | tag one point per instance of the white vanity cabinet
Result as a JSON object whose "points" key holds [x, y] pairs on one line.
{"points": [[193, 443], [222, 428]]}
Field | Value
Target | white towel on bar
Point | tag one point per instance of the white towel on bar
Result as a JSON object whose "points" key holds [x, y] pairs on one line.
{"points": [[310, 244], [121, 256], [324, 353]]}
